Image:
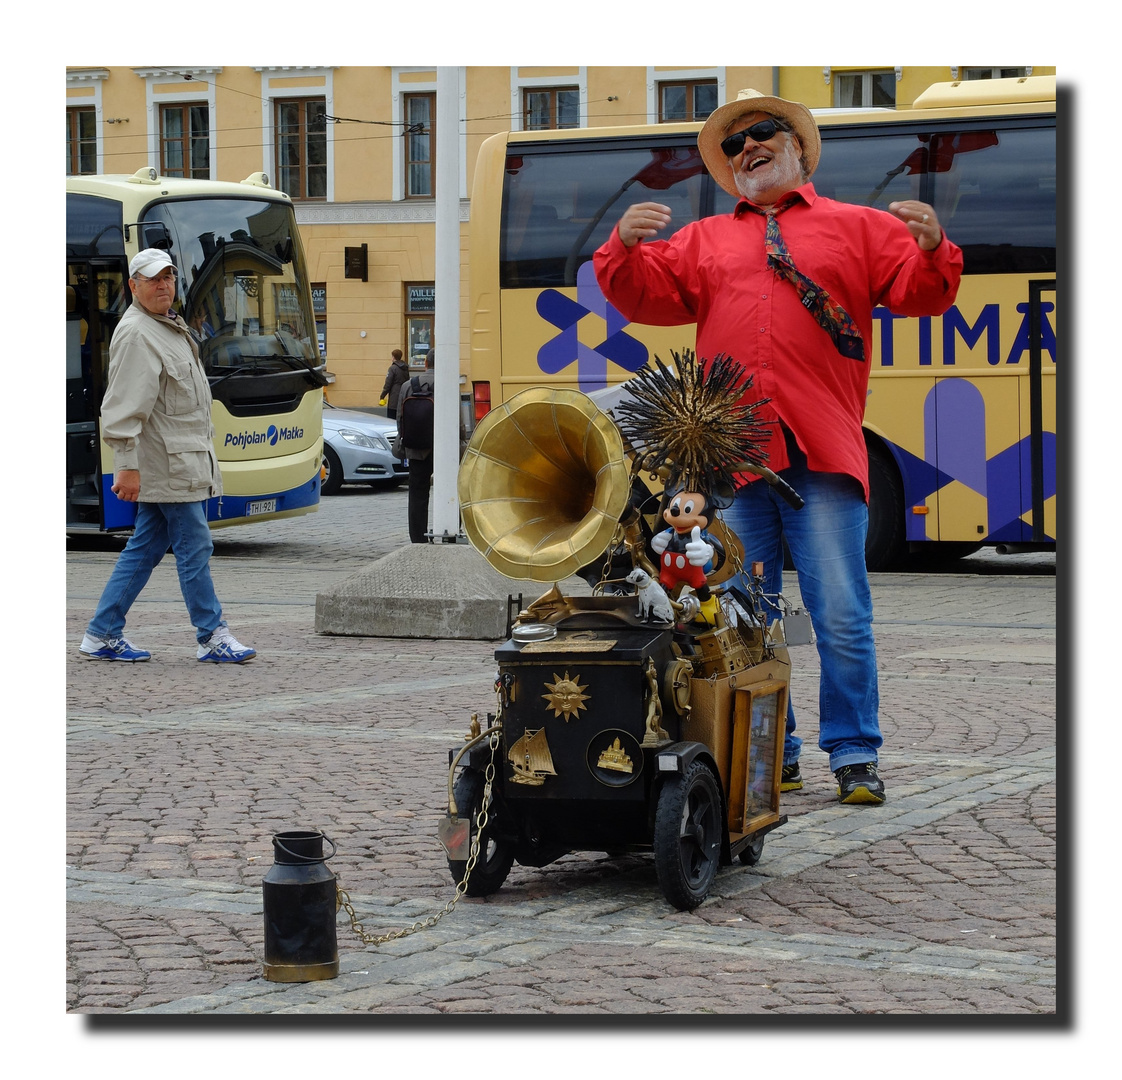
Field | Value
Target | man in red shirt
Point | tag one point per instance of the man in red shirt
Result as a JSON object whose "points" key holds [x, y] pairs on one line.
{"points": [[804, 331]]}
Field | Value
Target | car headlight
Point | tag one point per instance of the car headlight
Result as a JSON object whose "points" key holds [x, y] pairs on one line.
{"points": [[360, 438]]}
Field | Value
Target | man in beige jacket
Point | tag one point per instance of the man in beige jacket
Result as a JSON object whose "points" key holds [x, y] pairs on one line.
{"points": [[155, 417]]}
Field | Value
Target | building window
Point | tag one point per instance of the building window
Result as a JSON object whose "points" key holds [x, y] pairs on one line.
{"points": [[420, 146], [996, 72], [549, 108], [319, 310], [420, 307], [185, 141], [81, 141], [301, 142], [683, 101], [865, 89]]}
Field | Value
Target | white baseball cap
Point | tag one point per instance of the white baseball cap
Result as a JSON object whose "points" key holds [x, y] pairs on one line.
{"points": [[149, 262]]}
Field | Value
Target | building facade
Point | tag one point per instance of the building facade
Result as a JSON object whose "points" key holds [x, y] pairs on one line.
{"points": [[355, 147]]}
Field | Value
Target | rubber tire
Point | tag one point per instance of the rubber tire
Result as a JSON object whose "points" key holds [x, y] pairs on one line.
{"points": [[495, 856], [940, 556], [687, 835], [884, 545], [751, 854], [333, 481]]}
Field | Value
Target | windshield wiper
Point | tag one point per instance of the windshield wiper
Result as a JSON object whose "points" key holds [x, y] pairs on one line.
{"points": [[258, 367], [318, 378], [233, 371]]}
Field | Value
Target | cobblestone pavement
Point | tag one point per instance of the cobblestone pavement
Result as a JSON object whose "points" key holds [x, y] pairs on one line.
{"points": [[941, 903]]}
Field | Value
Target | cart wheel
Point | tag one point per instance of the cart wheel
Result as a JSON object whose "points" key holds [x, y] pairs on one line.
{"points": [[750, 855], [495, 856], [687, 836]]}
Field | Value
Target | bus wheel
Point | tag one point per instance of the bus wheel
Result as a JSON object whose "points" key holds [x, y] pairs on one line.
{"points": [[333, 481], [940, 556], [884, 546], [496, 856], [687, 835]]}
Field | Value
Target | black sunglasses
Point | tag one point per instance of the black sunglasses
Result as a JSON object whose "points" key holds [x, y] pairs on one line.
{"points": [[760, 132]]}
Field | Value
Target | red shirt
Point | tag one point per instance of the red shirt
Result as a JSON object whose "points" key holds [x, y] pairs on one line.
{"points": [[714, 272]]}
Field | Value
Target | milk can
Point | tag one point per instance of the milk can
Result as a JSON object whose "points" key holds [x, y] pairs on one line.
{"points": [[300, 905]]}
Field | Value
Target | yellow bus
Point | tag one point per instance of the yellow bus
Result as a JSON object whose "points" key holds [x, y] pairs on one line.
{"points": [[961, 414], [243, 288]]}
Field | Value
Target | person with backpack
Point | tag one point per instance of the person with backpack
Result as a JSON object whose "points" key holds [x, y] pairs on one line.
{"points": [[414, 445]]}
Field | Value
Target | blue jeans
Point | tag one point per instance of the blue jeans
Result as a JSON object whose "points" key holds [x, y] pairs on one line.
{"points": [[827, 542], [183, 527]]}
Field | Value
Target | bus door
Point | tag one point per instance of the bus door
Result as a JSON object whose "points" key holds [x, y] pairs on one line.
{"points": [[988, 419], [1042, 402], [994, 188], [95, 300]]}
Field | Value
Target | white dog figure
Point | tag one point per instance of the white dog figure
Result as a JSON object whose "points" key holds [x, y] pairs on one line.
{"points": [[654, 604]]}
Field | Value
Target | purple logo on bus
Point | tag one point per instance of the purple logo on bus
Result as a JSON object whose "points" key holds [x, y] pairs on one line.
{"points": [[565, 348]]}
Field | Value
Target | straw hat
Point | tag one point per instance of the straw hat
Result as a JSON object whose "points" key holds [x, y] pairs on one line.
{"points": [[717, 127]]}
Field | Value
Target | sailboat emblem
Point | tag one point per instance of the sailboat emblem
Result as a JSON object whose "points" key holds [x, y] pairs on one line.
{"points": [[530, 758]]}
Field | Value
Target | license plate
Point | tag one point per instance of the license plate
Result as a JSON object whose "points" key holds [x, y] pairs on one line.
{"points": [[262, 506]]}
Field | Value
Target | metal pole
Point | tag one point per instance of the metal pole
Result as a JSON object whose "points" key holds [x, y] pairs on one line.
{"points": [[446, 323]]}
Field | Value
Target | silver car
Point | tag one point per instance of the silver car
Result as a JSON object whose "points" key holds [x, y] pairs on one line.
{"points": [[356, 450]]}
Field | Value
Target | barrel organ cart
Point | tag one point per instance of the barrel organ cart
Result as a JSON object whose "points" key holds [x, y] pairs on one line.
{"points": [[614, 731]]}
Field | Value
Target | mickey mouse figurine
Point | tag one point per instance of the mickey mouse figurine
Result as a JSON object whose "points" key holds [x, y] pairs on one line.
{"points": [[686, 550]]}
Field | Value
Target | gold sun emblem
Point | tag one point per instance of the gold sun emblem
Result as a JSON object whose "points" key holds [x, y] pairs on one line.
{"points": [[566, 696]]}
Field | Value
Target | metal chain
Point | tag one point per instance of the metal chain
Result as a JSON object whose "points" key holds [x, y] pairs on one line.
{"points": [[343, 900], [605, 569]]}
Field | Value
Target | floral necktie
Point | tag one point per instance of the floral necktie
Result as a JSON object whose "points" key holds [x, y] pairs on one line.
{"points": [[831, 316]]}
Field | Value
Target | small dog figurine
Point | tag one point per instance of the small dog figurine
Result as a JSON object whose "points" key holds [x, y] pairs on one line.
{"points": [[654, 604]]}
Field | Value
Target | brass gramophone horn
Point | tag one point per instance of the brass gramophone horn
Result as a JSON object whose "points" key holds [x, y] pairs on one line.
{"points": [[543, 484]]}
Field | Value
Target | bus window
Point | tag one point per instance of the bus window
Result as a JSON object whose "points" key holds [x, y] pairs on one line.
{"points": [[995, 193], [93, 226], [872, 170], [560, 207], [239, 287], [77, 327], [863, 168], [95, 301], [994, 189]]}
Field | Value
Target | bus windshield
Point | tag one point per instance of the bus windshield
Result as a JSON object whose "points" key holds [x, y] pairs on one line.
{"points": [[240, 287], [560, 207]]}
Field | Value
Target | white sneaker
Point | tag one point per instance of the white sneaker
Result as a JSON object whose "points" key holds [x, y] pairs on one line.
{"points": [[224, 648], [112, 648]]}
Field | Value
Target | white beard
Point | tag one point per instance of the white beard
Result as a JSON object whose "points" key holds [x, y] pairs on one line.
{"points": [[784, 173]]}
